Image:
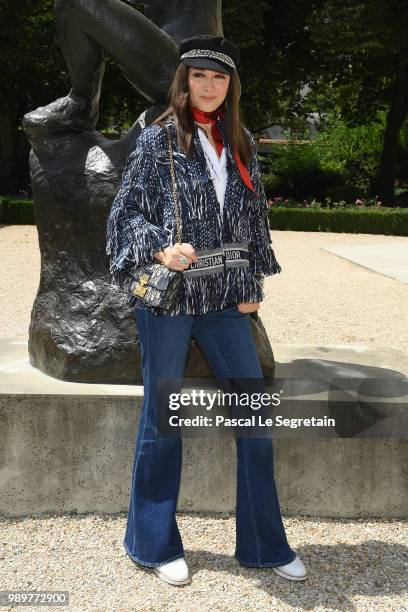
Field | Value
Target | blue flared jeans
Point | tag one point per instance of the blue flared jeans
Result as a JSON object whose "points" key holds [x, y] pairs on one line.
{"points": [[152, 536]]}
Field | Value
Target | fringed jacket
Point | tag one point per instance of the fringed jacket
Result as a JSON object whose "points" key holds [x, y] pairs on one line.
{"points": [[234, 248]]}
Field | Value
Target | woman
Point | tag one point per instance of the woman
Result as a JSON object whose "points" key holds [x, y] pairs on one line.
{"points": [[224, 256]]}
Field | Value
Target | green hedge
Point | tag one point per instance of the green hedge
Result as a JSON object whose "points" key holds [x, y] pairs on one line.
{"points": [[393, 221], [14, 211]]}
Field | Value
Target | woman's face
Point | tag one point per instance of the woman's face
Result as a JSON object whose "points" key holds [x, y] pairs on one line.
{"points": [[208, 88]]}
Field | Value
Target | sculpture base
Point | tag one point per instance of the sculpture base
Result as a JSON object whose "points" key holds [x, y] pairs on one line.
{"points": [[80, 458]]}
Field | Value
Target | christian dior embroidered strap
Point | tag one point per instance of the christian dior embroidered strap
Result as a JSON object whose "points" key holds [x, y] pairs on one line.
{"points": [[210, 261], [236, 254]]}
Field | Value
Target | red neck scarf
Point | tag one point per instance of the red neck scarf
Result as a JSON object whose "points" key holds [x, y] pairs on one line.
{"points": [[204, 117]]}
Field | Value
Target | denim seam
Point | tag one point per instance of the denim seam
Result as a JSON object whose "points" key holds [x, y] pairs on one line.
{"points": [[142, 436], [156, 564], [258, 544], [254, 525], [219, 353]]}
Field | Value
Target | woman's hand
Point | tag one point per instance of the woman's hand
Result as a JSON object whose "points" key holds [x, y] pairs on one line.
{"points": [[247, 307], [170, 256]]}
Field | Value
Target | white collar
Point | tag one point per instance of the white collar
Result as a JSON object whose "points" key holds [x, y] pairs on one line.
{"points": [[220, 161]]}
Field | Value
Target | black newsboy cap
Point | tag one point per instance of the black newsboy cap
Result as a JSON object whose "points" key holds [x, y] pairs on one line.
{"points": [[212, 52]]}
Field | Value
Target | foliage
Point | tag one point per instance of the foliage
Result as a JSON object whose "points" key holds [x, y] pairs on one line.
{"points": [[349, 64], [275, 58], [391, 221], [283, 214], [354, 152], [32, 69], [357, 54], [296, 171], [341, 163], [16, 211]]}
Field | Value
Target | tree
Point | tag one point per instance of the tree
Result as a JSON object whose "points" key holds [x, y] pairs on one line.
{"points": [[34, 71], [29, 67], [353, 54], [34, 74], [361, 50], [276, 58]]}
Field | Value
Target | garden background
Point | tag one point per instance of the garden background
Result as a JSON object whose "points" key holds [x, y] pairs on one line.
{"points": [[338, 88]]}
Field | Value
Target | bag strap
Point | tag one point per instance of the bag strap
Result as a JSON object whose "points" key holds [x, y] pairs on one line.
{"points": [[173, 178]]}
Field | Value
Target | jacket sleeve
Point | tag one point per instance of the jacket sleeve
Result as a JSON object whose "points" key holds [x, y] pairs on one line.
{"points": [[263, 260], [133, 235]]}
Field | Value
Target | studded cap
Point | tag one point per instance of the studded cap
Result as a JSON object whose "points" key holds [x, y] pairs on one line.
{"points": [[212, 52]]}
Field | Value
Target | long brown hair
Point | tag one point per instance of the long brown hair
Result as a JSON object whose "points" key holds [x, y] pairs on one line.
{"points": [[178, 98]]}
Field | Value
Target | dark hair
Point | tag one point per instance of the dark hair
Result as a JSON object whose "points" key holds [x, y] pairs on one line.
{"points": [[179, 98]]}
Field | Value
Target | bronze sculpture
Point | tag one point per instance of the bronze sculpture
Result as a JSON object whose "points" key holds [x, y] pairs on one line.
{"points": [[81, 328], [145, 48]]}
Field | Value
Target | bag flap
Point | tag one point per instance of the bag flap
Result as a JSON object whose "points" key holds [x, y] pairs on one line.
{"points": [[161, 277]]}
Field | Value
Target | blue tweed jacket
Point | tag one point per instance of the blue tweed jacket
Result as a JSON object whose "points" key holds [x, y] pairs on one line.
{"points": [[236, 249]]}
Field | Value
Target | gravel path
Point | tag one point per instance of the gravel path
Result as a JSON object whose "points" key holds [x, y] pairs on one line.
{"points": [[318, 298], [353, 564]]}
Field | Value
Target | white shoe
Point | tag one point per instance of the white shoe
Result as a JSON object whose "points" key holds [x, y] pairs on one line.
{"points": [[295, 570], [174, 572]]}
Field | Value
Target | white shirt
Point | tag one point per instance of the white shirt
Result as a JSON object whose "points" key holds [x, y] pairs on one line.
{"points": [[216, 166]]}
